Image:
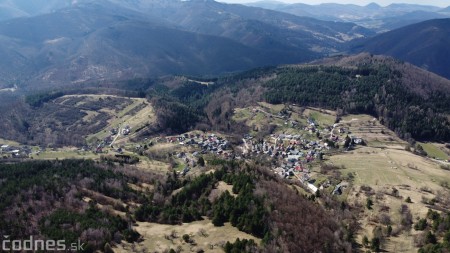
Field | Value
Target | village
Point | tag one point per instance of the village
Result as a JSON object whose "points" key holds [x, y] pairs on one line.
{"points": [[296, 147], [299, 143], [294, 155]]}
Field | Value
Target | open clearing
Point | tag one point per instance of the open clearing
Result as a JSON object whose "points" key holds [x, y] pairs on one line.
{"points": [[371, 130], [321, 116], [206, 236], [433, 150], [137, 115], [386, 169], [146, 164], [376, 166], [8, 142], [65, 153]]}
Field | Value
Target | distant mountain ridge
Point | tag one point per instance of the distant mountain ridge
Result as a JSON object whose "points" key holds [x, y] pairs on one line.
{"points": [[424, 44], [251, 26], [27, 8], [445, 9], [87, 40], [372, 16], [113, 48]]}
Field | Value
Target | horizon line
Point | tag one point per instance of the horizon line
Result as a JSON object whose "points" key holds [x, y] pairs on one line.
{"points": [[245, 2]]}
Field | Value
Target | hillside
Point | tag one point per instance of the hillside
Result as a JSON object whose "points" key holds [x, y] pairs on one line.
{"points": [[54, 49], [410, 101], [229, 163], [102, 205], [117, 40], [380, 87], [25, 8], [423, 44]]}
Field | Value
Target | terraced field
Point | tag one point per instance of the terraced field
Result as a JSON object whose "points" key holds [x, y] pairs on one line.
{"points": [[385, 169], [385, 166]]}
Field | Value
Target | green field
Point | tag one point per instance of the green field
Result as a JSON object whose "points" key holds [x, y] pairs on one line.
{"points": [[241, 115], [274, 109], [374, 166], [433, 151], [320, 117], [65, 154]]}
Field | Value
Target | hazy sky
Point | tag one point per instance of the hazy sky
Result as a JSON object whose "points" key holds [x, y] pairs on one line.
{"points": [[443, 3]]}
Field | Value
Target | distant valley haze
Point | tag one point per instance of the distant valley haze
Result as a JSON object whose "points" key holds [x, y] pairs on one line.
{"points": [[361, 3]]}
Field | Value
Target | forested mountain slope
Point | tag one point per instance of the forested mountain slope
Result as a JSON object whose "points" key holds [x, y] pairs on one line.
{"points": [[424, 44], [412, 102], [86, 41]]}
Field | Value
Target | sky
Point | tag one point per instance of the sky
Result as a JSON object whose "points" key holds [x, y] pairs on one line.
{"points": [[441, 3]]}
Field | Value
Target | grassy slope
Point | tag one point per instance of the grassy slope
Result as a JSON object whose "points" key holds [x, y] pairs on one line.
{"points": [[154, 239], [382, 164], [434, 151], [122, 118]]}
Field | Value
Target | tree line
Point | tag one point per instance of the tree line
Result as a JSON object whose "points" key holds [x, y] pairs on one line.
{"points": [[376, 90], [245, 211], [44, 199], [413, 110], [435, 237], [259, 204]]}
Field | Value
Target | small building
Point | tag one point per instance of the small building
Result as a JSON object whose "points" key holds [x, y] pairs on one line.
{"points": [[337, 190], [185, 171], [357, 140], [5, 148], [312, 188], [126, 131]]}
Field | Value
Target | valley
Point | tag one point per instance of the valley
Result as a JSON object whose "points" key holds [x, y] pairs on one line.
{"points": [[201, 126], [303, 146], [326, 134]]}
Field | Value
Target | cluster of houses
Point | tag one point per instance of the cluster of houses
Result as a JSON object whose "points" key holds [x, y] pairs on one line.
{"points": [[208, 143], [294, 153], [288, 147], [7, 151]]}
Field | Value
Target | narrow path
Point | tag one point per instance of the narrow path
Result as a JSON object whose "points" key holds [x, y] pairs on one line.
{"points": [[117, 136]]}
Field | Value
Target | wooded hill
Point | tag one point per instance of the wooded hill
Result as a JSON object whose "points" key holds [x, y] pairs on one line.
{"points": [[44, 199], [47, 199], [412, 102], [423, 44], [56, 43]]}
